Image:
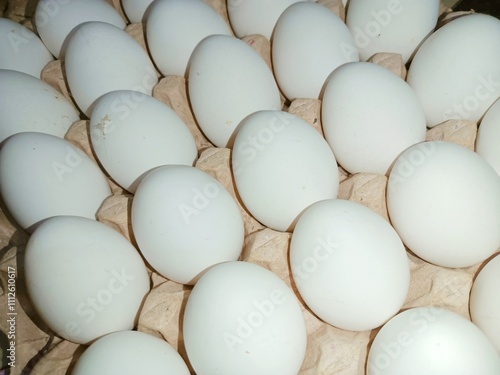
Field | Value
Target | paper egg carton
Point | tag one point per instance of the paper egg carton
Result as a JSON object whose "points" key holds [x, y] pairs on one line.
{"points": [[330, 350]]}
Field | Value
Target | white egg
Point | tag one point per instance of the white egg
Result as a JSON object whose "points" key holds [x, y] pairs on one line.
{"points": [[84, 278], [466, 88], [250, 17], [135, 9], [101, 58], [227, 81], [242, 319], [21, 49], [431, 341], [111, 355], [488, 136], [43, 176], [133, 133], [484, 303], [395, 26], [345, 259], [365, 127], [444, 201], [49, 111], [281, 165], [175, 27], [55, 20], [309, 42], [185, 221]]}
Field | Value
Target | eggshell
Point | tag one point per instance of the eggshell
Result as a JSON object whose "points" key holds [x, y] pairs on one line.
{"points": [[242, 319], [250, 17], [431, 341], [444, 202], [309, 42], [281, 165], [21, 49], [117, 354], [466, 88], [185, 221], [56, 19], [133, 133], [28, 104], [175, 27], [135, 9], [227, 81], [484, 304], [396, 26], [101, 58], [488, 136], [365, 127], [43, 176], [84, 278], [345, 259]]}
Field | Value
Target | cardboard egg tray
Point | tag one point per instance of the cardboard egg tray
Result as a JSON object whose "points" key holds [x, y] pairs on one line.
{"points": [[330, 350]]}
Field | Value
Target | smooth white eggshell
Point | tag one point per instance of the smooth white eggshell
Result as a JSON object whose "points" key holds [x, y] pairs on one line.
{"points": [[133, 133], [468, 87], [397, 26], [101, 58], [484, 303], [227, 81], [27, 104], [444, 201], [281, 165], [21, 49], [117, 353], [42, 176], [250, 17], [367, 127], [345, 259], [54, 20], [175, 27], [309, 42], [135, 9], [84, 278], [185, 221], [431, 341], [488, 136], [242, 319]]}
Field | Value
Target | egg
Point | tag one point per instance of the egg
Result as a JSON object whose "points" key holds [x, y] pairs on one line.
{"points": [[308, 43], [49, 111], [84, 278], [55, 20], [42, 176], [488, 135], [185, 221], [175, 27], [21, 49], [366, 126], [117, 354], [135, 9], [281, 165], [468, 87], [432, 341], [227, 81], [251, 17], [133, 133], [101, 58], [345, 259], [483, 302], [444, 201], [241, 318], [395, 26]]}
